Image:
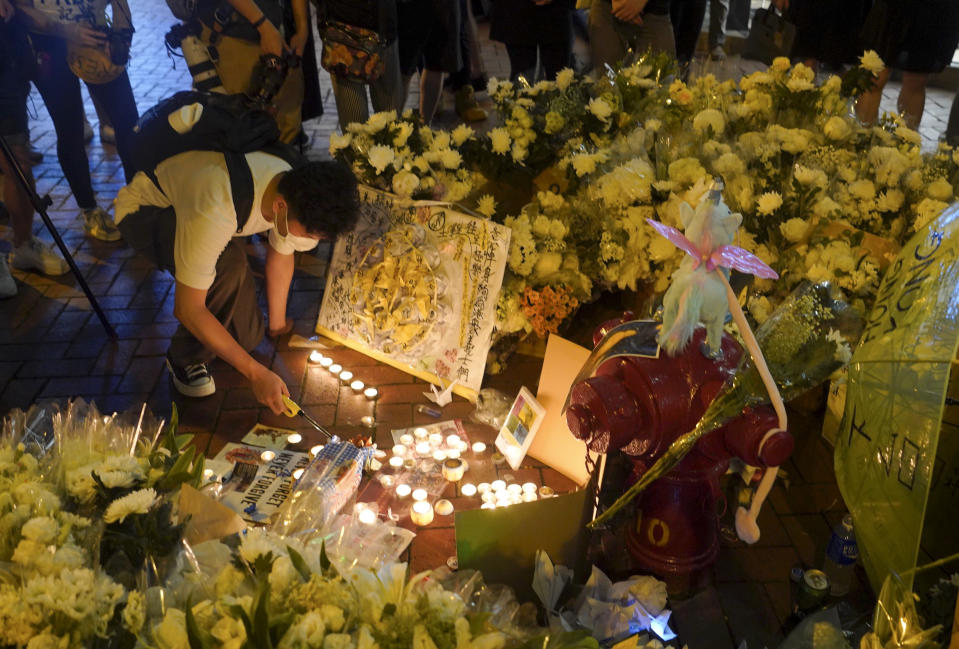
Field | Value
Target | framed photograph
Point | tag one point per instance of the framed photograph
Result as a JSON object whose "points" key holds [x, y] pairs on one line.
{"points": [[524, 419]]}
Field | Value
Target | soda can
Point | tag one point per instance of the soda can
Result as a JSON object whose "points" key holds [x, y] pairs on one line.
{"points": [[812, 589]]}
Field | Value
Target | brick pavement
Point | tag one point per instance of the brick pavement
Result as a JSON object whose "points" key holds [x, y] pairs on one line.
{"points": [[52, 346]]}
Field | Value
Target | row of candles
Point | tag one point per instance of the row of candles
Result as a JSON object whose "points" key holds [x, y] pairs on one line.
{"points": [[345, 376]]}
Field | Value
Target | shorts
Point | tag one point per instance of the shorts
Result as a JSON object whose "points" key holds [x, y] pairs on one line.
{"points": [[429, 36]]}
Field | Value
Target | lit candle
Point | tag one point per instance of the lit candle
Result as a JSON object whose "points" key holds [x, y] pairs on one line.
{"points": [[335, 369], [514, 489], [295, 438], [436, 439], [454, 469], [420, 494], [207, 474], [421, 433], [468, 489], [371, 393], [421, 513], [396, 461], [386, 480], [443, 507], [399, 449], [297, 474], [357, 385], [453, 453], [483, 487], [403, 490], [267, 456], [423, 448], [368, 420], [488, 497], [546, 492], [439, 455], [406, 440], [488, 506], [479, 447], [529, 497], [529, 487], [316, 356], [367, 516], [453, 440], [346, 376], [326, 362], [498, 485], [316, 449]]}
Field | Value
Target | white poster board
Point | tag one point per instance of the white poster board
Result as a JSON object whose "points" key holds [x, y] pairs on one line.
{"points": [[415, 286]]}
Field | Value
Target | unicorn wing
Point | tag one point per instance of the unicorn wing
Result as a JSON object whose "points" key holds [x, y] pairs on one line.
{"points": [[741, 260], [677, 238]]}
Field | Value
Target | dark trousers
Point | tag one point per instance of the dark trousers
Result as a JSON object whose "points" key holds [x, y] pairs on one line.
{"points": [[60, 91], [553, 57], [687, 18], [231, 298]]}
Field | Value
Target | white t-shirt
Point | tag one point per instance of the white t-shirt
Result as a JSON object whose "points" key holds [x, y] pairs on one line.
{"points": [[197, 185]]}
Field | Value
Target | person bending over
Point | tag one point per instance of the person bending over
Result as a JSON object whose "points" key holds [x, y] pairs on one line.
{"points": [[186, 224]]}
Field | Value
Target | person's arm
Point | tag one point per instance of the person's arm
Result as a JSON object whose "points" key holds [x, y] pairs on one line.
{"points": [[301, 24], [189, 307], [279, 274], [630, 11], [7, 11], [42, 23], [271, 42]]}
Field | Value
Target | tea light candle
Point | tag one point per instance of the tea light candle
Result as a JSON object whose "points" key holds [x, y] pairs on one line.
{"points": [[468, 489], [403, 490], [488, 506], [514, 489], [421, 513], [454, 469], [529, 487], [419, 494], [453, 453], [436, 439], [488, 497], [371, 393], [546, 492], [326, 362], [423, 448], [367, 516], [421, 433], [498, 458], [316, 356], [368, 420], [386, 480], [439, 455], [498, 485], [357, 385], [207, 474], [443, 507], [406, 440], [396, 461], [399, 449], [295, 438], [335, 369], [267, 456], [479, 447], [529, 497], [453, 440], [346, 376], [483, 487], [316, 449], [297, 474]]}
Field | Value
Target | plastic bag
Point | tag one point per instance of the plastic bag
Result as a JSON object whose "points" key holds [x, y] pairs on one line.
{"points": [[492, 406]]}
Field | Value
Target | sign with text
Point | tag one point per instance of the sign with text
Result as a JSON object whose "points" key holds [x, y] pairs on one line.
{"points": [[896, 450], [415, 285]]}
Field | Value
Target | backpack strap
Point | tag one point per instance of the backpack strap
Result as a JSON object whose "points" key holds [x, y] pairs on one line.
{"points": [[241, 186]]}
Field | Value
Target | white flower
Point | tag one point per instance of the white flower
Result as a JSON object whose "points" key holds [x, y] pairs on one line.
{"points": [[551, 200], [402, 132], [307, 631], [799, 85], [340, 641], [652, 125], [836, 128], [451, 159], [769, 202], [600, 108], [729, 164], [333, 617], [519, 152], [908, 135], [486, 205], [872, 62], [890, 200], [500, 140], [585, 163], [462, 133], [171, 632], [825, 207], [863, 189], [926, 211], [843, 353], [138, 502], [780, 64], [405, 183], [813, 177], [795, 229], [47, 640], [381, 156], [338, 142], [255, 543], [940, 189], [41, 529], [707, 119], [134, 613], [229, 632], [379, 121], [564, 77]]}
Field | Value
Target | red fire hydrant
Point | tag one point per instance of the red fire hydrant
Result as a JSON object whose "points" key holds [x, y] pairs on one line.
{"points": [[640, 405]]}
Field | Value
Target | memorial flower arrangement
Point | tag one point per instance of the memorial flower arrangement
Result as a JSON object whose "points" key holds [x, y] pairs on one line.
{"points": [[823, 197]]}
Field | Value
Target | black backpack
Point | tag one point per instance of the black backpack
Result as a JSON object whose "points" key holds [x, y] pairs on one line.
{"points": [[228, 124]]}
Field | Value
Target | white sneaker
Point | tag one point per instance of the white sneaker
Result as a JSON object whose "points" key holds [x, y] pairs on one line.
{"points": [[99, 225], [8, 287], [38, 256]]}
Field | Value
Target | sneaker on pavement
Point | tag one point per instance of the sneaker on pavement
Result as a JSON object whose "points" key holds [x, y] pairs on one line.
{"points": [[8, 287], [87, 130], [107, 134], [39, 256], [717, 53], [467, 107], [193, 380], [98, 224]]}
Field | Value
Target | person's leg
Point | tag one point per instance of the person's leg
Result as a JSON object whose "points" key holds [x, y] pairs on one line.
{"points": [[351, 104], [120, 108], [607, 46], [656, 34], [289, 103], [718, 10], [912, 97], [952, 126], [60, 91], [554, 57], [867, 104], [387, 92], [431, 88], [686, 31], [522, 61]]}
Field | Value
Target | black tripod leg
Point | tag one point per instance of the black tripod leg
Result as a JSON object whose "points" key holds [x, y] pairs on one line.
{"points": [[40, 205]]}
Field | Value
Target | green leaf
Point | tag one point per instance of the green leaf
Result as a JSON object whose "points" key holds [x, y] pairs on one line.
{"points": [[169, 434], [237, 611], [180, 441], [261, 617], [194, 635], [299, 563], [325, 562]]}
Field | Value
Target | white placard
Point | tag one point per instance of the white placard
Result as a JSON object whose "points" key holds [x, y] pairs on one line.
{"points": [[524, 419]]}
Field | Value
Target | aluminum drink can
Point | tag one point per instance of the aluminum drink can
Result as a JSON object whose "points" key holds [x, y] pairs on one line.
{"points": [[812, 589]]}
